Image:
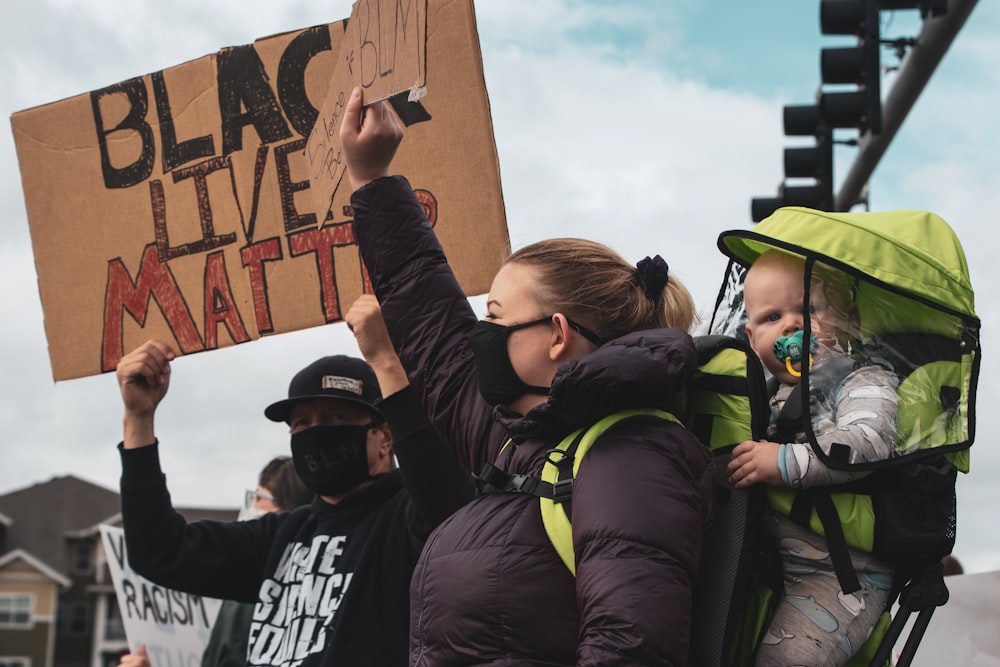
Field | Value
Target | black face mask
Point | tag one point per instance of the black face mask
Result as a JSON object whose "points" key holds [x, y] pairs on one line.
{"points": [[498, 381], [332, 460]]}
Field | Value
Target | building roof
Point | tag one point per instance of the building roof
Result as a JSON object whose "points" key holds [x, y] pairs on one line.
{"points": [[22, 555], [42, 516]]}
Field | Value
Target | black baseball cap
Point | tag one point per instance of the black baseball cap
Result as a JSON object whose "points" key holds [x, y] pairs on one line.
{"points": [[340, 377]]}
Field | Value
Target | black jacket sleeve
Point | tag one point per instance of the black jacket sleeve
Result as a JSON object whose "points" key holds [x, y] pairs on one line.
{"points": [[211, 558], [437, 485], [427, 315]]}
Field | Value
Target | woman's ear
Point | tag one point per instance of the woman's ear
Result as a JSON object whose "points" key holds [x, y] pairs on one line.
{"points": [[567, 343], [559, 341]]}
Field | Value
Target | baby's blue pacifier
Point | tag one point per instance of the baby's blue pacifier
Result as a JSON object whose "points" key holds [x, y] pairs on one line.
{"points": [[789, 350]]}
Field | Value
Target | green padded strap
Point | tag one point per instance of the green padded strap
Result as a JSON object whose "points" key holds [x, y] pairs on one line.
{"points": [[554, 516]]}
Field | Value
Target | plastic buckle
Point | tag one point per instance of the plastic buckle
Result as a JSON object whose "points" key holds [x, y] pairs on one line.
{"points": [[493, 476], [522, 484], [562, 490]]}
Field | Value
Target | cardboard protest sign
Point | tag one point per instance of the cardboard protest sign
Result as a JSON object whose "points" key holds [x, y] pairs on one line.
{"points": [[176, 205], [383, 54], [174, 626]]}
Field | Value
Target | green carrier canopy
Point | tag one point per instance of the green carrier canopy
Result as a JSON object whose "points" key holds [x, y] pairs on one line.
{"points": [[902, 280], [887, 296]]}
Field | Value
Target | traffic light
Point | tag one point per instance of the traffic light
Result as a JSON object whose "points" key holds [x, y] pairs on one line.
{"points": [[809, 162], [853, 102], [857, 65]]}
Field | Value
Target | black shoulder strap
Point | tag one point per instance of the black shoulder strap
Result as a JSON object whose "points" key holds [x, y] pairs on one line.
{"points": [[791, 421], [788, 423], [820, 500]]}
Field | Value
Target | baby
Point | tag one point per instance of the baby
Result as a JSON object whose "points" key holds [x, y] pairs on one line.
{"points": [[853, 409]]}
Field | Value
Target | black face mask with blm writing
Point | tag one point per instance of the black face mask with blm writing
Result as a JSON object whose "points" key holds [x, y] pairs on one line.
{"points": [[498, 381], [332, 460]]}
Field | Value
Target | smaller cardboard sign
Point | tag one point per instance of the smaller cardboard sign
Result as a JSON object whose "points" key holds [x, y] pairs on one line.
{"points": [[174, 626], [383, 52]]}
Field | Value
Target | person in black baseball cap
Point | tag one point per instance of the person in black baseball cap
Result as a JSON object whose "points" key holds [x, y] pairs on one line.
{"points": [[330, 580], [339, 377], [339, 440]]}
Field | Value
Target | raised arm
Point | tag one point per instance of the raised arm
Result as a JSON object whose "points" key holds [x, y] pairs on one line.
{"points": [[143, 380], [436, 483], [204, 558], [364, 319], [425, 310]]}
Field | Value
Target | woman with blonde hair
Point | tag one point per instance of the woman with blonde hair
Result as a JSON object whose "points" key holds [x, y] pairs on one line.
{"points": [[572, 333]]}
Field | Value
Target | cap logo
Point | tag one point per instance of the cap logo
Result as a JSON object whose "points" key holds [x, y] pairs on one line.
{"points": [[342, 384]]}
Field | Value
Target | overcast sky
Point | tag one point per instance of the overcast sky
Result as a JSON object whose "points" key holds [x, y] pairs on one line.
{"points": [[644, 125]]}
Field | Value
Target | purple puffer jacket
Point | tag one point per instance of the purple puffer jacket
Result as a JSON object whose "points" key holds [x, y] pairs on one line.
{"points": [[489, 588]]}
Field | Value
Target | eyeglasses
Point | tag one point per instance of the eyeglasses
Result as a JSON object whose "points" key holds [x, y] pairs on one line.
{"points": [[251, 497]]}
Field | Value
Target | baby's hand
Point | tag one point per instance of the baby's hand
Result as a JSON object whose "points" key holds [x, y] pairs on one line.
{"points": [[754, 461]]}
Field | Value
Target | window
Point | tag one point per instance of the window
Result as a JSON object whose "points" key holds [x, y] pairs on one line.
{"points": [[80, 560], [72, 618], [15, 610], [77, 619]]}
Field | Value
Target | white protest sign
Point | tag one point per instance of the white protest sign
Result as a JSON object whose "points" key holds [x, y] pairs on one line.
{"points": [[174, 626]]}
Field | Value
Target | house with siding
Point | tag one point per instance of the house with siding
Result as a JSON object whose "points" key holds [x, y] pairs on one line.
{"points": [[57, 601]]}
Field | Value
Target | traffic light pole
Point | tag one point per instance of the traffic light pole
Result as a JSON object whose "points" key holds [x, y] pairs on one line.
{"points": [[936, 36]]}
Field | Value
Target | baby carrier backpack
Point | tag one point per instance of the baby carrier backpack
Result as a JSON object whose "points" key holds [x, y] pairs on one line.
{"points": [[918, 319], [726, 404], [905, 276]]}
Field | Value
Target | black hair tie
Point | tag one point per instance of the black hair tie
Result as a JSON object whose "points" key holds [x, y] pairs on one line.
{"points": [[652, 274]]}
